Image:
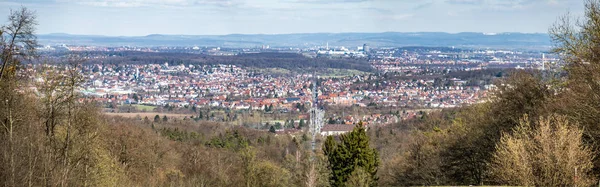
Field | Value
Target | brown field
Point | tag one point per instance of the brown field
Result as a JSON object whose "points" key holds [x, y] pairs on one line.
{"points": [[150, 115]]}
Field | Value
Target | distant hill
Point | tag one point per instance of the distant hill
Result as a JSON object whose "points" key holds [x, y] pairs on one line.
{"points": [[387, 39]]}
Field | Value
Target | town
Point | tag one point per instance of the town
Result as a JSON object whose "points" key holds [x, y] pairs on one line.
{"points": [[402, 83]]}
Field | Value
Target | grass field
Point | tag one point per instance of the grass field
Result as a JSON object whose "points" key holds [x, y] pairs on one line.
{"points": [[333, 73], [150, 115], [144, 108], [324, 73], [279, 71]]}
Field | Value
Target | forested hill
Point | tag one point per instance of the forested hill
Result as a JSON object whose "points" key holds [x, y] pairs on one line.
{"points": [[290, 61], [387, 39]]}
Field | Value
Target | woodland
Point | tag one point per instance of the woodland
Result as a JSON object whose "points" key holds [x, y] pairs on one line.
{"points": [[536, 129]]}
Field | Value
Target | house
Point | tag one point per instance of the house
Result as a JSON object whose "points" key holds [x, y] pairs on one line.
{"points": [[336, 129]]}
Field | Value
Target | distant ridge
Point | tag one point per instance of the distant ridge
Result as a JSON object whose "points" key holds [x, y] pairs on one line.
{"points": [[385, 39]]}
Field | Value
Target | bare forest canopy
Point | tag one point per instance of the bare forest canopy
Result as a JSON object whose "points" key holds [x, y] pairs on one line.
{"points": [[291, 61]]}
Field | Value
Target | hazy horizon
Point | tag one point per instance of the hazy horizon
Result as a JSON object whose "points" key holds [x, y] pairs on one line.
{"points": [[490, 33], [269, 17]]}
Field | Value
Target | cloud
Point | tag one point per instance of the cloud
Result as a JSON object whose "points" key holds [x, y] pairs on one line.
{"points": [[328, 1], [154, 3], [423, 5], [395, 17], [30, 1], [504, 4], [464, 2], [140, 17]]}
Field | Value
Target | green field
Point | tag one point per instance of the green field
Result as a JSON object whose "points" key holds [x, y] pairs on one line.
{"points": [[149, 115], [325, 73], [277, 71], [144, 108], [333, 73]]}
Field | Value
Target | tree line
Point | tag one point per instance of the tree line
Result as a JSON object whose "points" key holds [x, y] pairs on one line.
{"points": [[291, 61]]}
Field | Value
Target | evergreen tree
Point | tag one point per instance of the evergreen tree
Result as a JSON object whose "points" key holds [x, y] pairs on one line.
{"points": [[272, 129], [165, 119], [301, 124], [156, 118], [304, 138], [135, 97], [351, 153]]}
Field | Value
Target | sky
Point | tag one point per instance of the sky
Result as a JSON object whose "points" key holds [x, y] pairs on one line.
{"points": [[219, 17]]}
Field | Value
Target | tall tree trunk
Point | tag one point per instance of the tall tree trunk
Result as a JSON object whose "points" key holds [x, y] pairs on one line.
{"points": [[67, 145], [8, 125], [12, 153]]}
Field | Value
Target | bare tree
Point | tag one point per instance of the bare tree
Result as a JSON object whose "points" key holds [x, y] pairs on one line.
{"points": [[17, 39], [73, 81], [577, 40], [311, 176], [549, 153]]}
